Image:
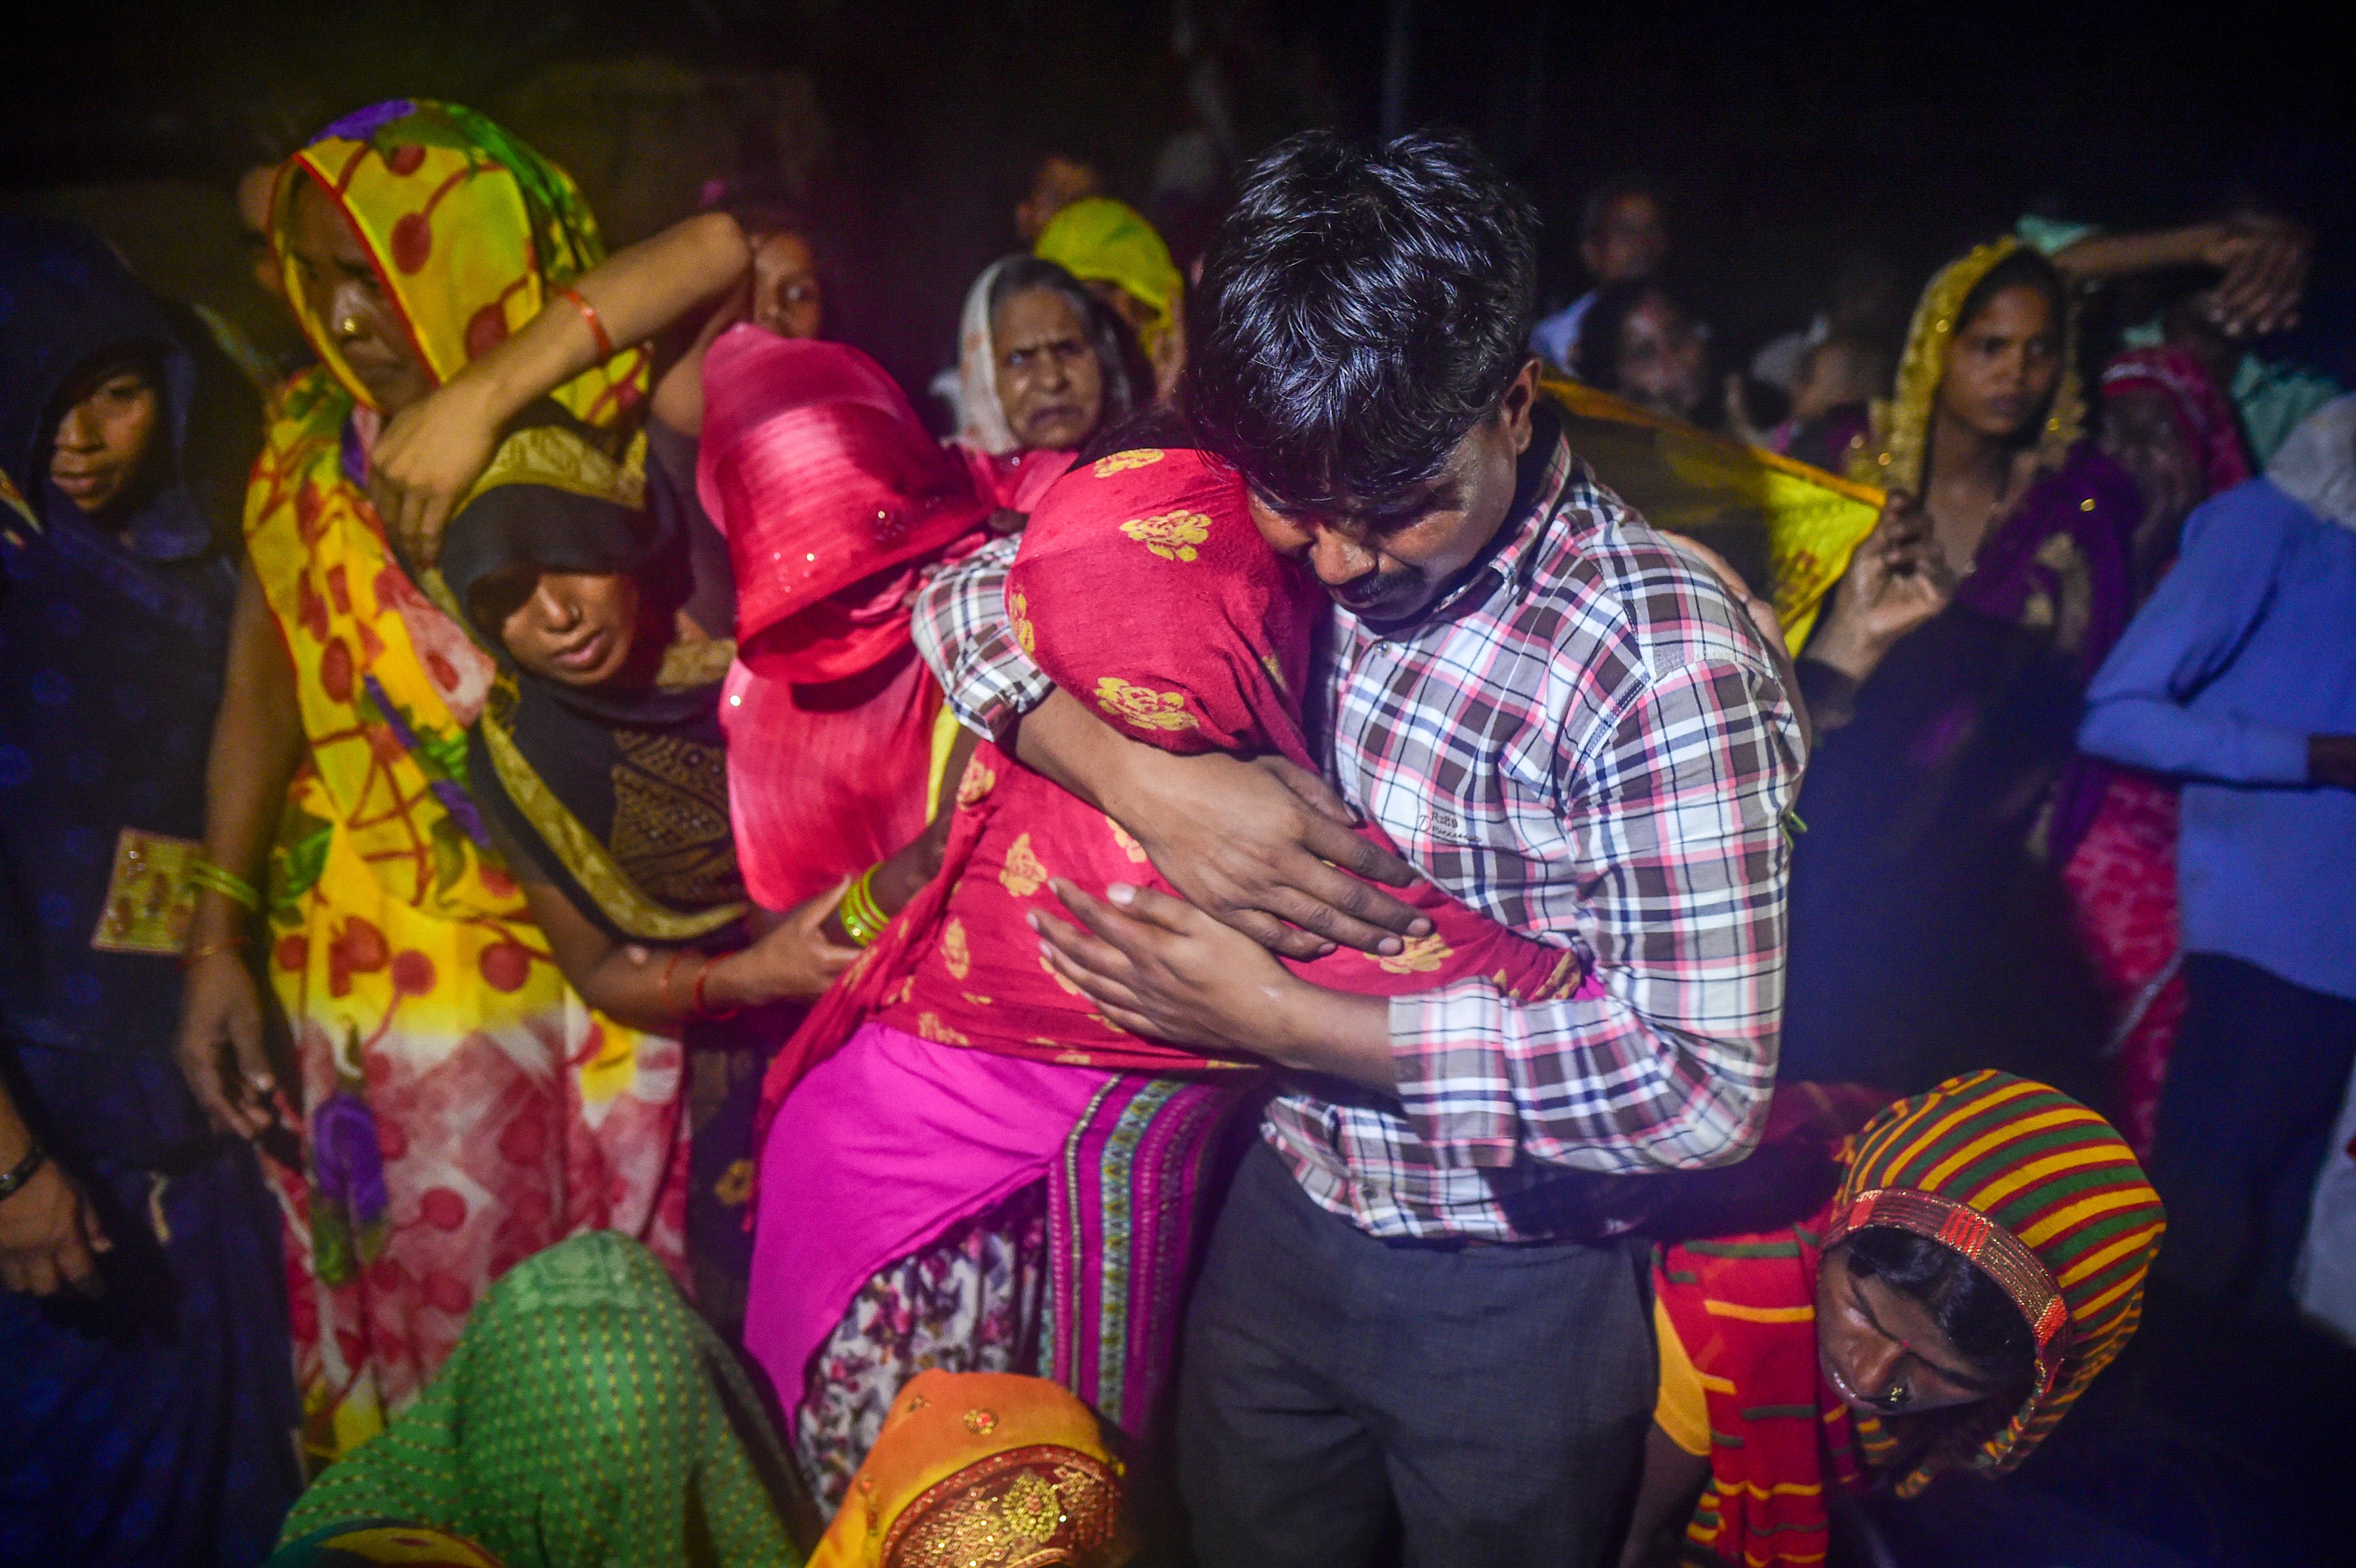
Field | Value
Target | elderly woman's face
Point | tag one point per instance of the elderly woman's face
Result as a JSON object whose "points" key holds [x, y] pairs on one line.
{"points": [[2004, 365], [104, 438], [1049, 382], [1881, 1349], [340, 289], [786, 299]]}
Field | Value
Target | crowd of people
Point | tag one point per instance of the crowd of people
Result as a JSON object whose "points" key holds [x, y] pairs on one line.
{"points": [[614, 951]]}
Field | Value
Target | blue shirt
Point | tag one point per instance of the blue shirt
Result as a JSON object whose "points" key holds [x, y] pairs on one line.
{"points": [[2247, 648], [1555, 338]]}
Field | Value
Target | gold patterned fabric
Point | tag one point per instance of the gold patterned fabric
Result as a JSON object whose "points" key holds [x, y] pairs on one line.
{"points": [[983, 1470]]}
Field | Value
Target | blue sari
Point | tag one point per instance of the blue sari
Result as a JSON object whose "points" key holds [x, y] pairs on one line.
{"points": [[152, 1424]]}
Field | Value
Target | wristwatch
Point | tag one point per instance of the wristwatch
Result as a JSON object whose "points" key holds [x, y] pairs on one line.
{"points": [[23, 1170]]}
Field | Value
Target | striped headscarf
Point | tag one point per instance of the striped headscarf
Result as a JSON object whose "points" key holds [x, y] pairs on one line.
{"points": [[2034, 1188], [2045, 1198]]}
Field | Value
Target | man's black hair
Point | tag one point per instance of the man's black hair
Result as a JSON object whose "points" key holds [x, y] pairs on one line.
{"points": [[1359, 311], [1119, 358], [1970, 1308]]}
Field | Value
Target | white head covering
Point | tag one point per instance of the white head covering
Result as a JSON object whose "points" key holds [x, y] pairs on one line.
{"points": [[2316, 465], [981, 418]]}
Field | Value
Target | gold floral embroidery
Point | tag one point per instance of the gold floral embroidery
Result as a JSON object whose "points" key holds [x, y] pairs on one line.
{"points": [[735, 1183], [1022, 875], [979, 1422], [978, 999], [1129, 846], [930, 1027], [1019, 606], [1022, 1508], [1268, 662], [1421, 955], [1171, 535], [977, 782], [1142, 708], [955, 954], [1142, 457]]}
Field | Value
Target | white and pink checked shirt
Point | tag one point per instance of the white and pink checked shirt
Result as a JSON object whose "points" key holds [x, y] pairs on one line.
{"points": [[1587, 742]]}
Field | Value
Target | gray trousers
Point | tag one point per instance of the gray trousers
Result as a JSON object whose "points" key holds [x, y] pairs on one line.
{"points": [[1493, 1401]]}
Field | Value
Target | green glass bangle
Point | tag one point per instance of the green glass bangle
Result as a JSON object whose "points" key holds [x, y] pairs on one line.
{"points": [[235, 888]]}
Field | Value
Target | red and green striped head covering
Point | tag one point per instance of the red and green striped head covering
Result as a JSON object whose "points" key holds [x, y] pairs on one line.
{"points": [[2040, 1193]]}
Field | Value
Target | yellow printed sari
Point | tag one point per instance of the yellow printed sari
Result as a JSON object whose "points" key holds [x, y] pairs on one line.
{"points": [[463, 1107]]}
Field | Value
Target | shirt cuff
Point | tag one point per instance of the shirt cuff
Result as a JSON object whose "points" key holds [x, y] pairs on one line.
{"points": [[999, 685], [1449, 1050]]}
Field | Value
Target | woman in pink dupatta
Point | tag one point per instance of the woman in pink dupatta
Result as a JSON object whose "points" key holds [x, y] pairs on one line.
{"points": [[2166, 425]]}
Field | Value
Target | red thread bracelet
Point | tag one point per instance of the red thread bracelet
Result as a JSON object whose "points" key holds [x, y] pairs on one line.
{"points": [[662, 987], [574, 297], [702, 1008]]}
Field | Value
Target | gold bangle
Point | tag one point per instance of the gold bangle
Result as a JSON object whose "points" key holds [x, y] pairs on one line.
{"points": [[229, 944]]}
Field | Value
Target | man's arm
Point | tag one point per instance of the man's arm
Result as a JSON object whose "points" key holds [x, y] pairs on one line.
{"points": [[1670, 1069], [2189, 630], [1262, 844]]}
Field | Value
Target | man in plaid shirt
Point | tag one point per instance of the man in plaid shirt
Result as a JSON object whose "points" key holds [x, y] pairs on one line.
{"points": [[1421, 1295]]}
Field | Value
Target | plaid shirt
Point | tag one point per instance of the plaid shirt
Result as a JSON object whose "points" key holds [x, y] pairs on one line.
{"points": [[1587, 743]]}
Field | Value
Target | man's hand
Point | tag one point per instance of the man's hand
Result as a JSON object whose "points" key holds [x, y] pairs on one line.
{"points": [[427, 459], [2266, 259], [220, 1049], [48, 1235], [1259, 843], [1161, 968]]}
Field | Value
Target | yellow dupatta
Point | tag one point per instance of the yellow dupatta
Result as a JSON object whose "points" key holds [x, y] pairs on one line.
{"points": [[1687, 480], [470, 232]]}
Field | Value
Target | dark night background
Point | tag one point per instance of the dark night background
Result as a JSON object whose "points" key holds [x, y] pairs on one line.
{"points": [[1784, 138]]}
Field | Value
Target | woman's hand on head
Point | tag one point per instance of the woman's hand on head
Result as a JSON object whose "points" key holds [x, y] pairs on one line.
{"points": [[428, 457], [2265, 259], [220, 1045]]}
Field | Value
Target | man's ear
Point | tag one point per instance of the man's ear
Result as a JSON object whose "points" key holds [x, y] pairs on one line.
{"points": [[1519, 403]]}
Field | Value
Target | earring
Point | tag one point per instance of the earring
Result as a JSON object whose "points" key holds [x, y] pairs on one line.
{"points": [[350, 327], [1897, 1397]]}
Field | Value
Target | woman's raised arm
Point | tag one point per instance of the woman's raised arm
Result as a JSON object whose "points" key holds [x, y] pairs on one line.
{"points": [[432, 451]]}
